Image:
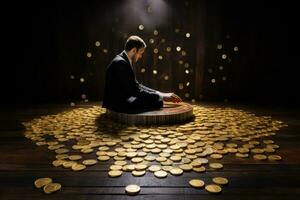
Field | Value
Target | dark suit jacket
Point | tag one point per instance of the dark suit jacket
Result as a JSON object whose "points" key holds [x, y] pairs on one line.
{"points": [[121, 84]]}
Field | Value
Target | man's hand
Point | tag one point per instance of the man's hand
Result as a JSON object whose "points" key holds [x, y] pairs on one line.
{"points": [[171, 97]]}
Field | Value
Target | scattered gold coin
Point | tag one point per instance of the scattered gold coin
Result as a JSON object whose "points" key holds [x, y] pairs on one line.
{"points": [[115, 173], [274, 157], [78, 167], [220, 180], [213, 188], [51, 187], [216, 165], [260, 157], [160, 174], [154, 168], [89, 162], [197, 183], [138, 173], [41, 182], [103, 158], [176, 171], [132, 189]]}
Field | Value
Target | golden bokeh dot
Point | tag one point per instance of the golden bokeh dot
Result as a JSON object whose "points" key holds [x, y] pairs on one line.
{"points": [[166, 77], [155, 71], [97, 44], [143, 70], [186, 65], [193, 101], [177, 30], [219, 46], [221, 67], [81, 80], [86, 100], [105, 50], [141, 27], [213, 80], [235, 49], [163, 40], [160, 57], [72, 104], [178, 48], [183, 53], [180, 86], [187, 95], [83, 96], [180, 62], [224, 56], [168, 49], [72, 77], [89, 54], [151, 40], [187, 35], [210, 70], [155, 32], [155, 50], [224, 78], [187, 83], [187, 71]]}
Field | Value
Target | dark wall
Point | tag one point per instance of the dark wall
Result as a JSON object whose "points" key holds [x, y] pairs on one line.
{"points": [[46, 43]]}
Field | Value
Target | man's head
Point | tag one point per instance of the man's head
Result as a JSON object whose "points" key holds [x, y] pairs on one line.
{"points": [[135, 47]]}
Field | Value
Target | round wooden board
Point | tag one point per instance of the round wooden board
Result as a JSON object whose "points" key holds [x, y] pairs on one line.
{"points": [[171, 113]]}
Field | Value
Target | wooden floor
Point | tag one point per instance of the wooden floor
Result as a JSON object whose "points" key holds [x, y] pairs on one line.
{"points": [[21, 162]]}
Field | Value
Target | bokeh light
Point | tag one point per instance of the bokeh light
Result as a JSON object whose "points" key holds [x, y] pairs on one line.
{"points": [[97, 44]]}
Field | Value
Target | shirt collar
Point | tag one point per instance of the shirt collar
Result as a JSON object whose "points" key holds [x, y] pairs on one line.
{"points": [[128, 58]]}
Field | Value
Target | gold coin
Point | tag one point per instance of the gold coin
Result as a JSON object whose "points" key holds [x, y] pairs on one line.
{"points": [[68, 164], [75, 157], [131, 154], [260, 157], [160, 174], [161, 159], [154, 168], [51, 187], [132, 189], [137, 160], [216, 165], [78, 167], [62, 150], [176, 171], [213, 188], [89, 162], [57, 163], [42, 182], [175, 158], [103, 158], [127, 168], [274, 157], [149, 158], [186, 167], [220, 180], [166, 168], [87, 150], [197, 183], [257, 150], [216, 156], [199, 169], [140, 167], [115, 167], [242, 155], [120, 162], [115, 173], [138, 173]]}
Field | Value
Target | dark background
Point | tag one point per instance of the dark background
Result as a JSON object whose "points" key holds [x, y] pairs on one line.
{"points": [[44, 43]]}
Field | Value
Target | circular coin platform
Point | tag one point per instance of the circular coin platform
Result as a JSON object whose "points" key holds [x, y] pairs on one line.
{"points": [[170, 113]]}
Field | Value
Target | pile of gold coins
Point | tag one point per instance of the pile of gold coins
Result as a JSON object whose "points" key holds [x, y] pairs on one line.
{"points": [[165, 150]]}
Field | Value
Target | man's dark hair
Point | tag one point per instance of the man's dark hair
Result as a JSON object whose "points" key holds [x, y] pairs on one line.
{"points": [[134, 42]]}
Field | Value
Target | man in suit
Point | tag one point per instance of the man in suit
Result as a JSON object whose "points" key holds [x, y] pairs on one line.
{"points": [[123, 93]]}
